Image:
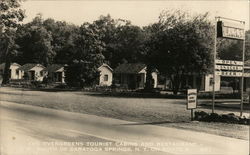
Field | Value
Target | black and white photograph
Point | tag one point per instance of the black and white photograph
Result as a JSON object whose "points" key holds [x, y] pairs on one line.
{"points": [[124, 77]]}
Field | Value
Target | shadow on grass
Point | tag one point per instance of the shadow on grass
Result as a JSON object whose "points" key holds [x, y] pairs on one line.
{"points": [[156, 123], [135, 95], [11, 93], [231, 107], [50, 89]]}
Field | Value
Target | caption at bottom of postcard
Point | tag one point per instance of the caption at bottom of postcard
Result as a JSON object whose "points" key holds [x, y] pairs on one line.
{"points": [[67, 146]]}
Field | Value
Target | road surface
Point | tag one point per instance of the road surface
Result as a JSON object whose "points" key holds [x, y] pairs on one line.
{"points": [[30, 130]]}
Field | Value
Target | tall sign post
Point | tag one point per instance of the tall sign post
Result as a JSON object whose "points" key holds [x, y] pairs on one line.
{"points": [[230, 29], [215, 44], [242, 77]]}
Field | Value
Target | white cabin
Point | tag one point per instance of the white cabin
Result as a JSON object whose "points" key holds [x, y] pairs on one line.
{"points": [[106, 75]]}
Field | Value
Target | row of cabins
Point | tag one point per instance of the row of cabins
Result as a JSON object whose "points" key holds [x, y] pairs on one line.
{"points": [[35, 72], [129, 75], [132, 76]]}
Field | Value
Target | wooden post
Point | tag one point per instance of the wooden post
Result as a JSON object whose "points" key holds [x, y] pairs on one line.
{"points": [[215, 43], [192, 116], [242, 78]]}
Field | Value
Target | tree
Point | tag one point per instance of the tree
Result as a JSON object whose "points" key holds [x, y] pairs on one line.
{"points": [[179, 45], [229, 49], [63, 37], [10, 16], [122, 39], [82, 71], [130, 43], [35, 43]]}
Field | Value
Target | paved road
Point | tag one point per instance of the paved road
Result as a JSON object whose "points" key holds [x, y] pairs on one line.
{"points": [[29, 130]]}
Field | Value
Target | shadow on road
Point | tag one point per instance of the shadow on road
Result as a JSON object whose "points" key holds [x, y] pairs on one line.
{"points": [[156, 123]]}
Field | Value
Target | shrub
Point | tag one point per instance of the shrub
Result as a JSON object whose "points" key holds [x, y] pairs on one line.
{"points": [[81, 74], [214, 117]]}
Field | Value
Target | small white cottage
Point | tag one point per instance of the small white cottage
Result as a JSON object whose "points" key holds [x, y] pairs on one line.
{"points": [[33, 72], [106, 75], [14, 72], [56, 73], [133, 75]]}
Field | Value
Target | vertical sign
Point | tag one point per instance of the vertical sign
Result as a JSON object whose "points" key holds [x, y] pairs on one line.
{"points": [[230, 29], [191, 100]]}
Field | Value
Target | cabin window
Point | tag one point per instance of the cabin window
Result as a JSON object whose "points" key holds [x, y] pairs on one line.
{"points": [[106, 77], [17, 72], [41, 73]]}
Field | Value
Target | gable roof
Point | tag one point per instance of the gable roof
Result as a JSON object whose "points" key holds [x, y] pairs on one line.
{"points": [[130, 68], [105, 65], [2, 65], [53, 67], [29, 66]]}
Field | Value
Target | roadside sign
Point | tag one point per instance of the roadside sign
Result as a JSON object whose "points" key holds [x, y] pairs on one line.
{"points": [[228, 73], [245, 98], [246, 74], [228, 62], [191, 99], [228, 68], [230, 30], [224, 67]]}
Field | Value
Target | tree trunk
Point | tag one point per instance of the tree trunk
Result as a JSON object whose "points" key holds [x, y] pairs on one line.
{"points": [[176, 84], [6, 74], [149, 79]]}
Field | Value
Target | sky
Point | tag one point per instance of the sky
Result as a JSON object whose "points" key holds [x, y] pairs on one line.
{"points": [[139, 12]]}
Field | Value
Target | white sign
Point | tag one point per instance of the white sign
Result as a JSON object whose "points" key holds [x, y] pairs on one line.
{"points": [[230, 30], [191, 99], [246, 74], [228, 73], [228, 62], [223, 67]]}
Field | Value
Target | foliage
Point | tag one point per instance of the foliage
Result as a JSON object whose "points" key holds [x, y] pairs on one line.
{"points": [[229, 49], [123, 40], [225, 118], [179, 45], [10, 16], [35, 43], [80, 74], [88, 57], [63, 37]]}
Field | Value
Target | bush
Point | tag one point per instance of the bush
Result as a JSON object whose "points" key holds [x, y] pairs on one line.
{"points": [[200, 115], [226, 118], [36, 84], [62, 86], [214, 117], [81, 74]]}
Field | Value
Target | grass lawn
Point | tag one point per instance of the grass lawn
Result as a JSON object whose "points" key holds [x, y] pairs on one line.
{"points": [[164, 112]]}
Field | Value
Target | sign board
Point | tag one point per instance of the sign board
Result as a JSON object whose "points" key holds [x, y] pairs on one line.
{"points": [[191, 99], [224, 67], [228, 73], [246, 74], [229, 62], [230, 30], [245, 98]]}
